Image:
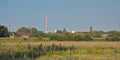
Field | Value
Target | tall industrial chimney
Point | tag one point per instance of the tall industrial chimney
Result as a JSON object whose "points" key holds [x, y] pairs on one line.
{"points": [[46, 24]]}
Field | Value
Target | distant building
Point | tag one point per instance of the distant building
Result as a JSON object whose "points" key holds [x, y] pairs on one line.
{"points": [[90, 29], [81, 33], [60, 31], [72, 31], [12, 35], [26, 35], [104, 35]]}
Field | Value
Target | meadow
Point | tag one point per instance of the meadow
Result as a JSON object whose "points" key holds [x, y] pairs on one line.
{"points": [[34, 49]]}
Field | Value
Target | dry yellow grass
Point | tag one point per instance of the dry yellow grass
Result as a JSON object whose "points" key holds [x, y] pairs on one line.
{"points": [[69, 43]]}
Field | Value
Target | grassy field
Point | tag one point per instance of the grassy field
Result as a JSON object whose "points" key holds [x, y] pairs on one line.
{"points": [[84, 53], [82, 50], [81, 57], [67, 43]]}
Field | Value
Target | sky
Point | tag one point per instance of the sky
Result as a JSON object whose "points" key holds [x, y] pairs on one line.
{"points": [[75, 15]]}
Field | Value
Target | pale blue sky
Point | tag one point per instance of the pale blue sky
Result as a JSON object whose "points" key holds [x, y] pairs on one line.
{"points": [[75, 15]]}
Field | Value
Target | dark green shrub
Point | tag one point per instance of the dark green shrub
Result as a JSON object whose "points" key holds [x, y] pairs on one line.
{"points": [[24, 38], [19, 54], [29, 46], [114, 38], [77, 38], [39, 38], [87, 38]]}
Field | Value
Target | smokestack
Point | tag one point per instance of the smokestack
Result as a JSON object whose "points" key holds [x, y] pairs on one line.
{"points": [[46, 24]]}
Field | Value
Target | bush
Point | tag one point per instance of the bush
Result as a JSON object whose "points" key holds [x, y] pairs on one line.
{"points": [[58, 37], [77, 38], [114, 38], [39, 38], [87, 38], [63, 37], [24, 38]]}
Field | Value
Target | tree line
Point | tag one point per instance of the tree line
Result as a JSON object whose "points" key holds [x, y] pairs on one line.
{"points": [[70, 37], [62, 35]]}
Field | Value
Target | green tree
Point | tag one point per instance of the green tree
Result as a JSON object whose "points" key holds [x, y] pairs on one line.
{"points": [[3, 31], [33, 31], [113, 33], [97, 34], [114, 38], [64, 30], [23, 30], [87, 38], [39, 33], [58, 31]]}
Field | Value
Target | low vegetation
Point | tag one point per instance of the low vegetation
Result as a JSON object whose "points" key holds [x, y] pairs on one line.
{"points": [[57, 52], [69, 37]]}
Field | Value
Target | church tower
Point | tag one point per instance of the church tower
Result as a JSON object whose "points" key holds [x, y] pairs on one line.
{"points": [[90, 29]]}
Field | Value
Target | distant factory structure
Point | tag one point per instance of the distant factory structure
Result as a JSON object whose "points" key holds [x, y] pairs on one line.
{"points": [[60, 31], [90, 30]]}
